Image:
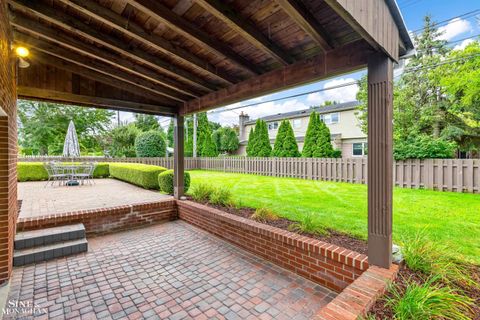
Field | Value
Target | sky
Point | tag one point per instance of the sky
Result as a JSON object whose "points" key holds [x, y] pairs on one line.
{"points": [[413, 11]]}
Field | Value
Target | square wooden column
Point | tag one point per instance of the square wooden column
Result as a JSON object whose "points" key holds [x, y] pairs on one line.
{"points": [[178, 157], [380, 159]]}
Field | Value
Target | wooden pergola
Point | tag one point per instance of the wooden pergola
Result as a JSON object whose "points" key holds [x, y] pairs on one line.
{"points": [[177, 57]]}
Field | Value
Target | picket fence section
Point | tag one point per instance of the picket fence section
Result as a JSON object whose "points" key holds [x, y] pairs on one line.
{"points": [[458, 175]]}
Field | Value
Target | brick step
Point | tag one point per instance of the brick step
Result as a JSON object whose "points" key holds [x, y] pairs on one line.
{"points": [[42, 237], [49, 252]]}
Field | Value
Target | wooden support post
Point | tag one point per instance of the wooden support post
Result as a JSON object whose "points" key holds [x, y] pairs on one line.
{"points": [[178, 161], [380, 160]]}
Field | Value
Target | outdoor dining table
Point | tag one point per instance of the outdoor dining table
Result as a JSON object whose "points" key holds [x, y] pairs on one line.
{"points": [[72, 170]]}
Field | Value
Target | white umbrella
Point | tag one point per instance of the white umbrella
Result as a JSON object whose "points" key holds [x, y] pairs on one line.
{"points": [[71, 148]]}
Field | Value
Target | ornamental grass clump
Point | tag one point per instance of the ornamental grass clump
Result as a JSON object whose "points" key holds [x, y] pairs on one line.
{"points": [[429, 300], [264, 215], [307, 224], [221, 196], [201, 192]]}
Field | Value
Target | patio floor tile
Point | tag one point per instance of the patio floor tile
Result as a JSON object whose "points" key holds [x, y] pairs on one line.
{"points": [[173, 271]]}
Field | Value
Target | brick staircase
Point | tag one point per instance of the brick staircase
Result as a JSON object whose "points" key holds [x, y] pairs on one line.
{"points": [[47, 244]]}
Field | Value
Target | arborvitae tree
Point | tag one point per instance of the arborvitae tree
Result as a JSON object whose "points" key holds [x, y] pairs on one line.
{"points": [[225, 139], [311, 136], [208, 146], [285, 142], [262, 141], [250, 143], [323, 147], [290, 146], [279, 140]]}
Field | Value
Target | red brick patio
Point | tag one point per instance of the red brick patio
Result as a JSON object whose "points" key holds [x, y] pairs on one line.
{"points": [[172, 270]]}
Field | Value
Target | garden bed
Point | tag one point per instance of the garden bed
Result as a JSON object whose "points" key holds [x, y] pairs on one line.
{"points": [[333, 237], [381, 310]]}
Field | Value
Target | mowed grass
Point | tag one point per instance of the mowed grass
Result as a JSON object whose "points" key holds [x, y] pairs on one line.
{"points": [[451, 219]]}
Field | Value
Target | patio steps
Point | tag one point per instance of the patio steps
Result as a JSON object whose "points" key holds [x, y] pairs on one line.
{"points": [[46, 244]]}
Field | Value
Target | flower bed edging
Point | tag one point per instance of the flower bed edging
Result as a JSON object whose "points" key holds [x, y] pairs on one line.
{"points": [[329, 265]]}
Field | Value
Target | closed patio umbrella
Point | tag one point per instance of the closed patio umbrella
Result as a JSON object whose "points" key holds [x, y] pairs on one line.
{"points": [[71, 148]]}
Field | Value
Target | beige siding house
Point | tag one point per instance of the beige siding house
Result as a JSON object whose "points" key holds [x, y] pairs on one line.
{"points": [[340, 118]]}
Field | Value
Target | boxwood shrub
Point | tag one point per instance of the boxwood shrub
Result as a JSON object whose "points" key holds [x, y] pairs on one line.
{"points": [[150, 144], [35, 171], [143, 175], [165, 181]]}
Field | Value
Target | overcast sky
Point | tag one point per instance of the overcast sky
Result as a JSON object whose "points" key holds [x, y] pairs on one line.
{"points": [[413, 12]]}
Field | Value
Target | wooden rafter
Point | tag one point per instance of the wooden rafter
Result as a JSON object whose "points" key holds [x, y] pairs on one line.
{"points": [[52, 35], [98, 66], [345, 59], [303, 17], [76, 26], [26, 92], [130, 28], [97, 76], [187, 29], [245, 28]]}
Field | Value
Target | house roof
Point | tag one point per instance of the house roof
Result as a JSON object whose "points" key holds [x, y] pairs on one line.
{"points": [[306, 112]]}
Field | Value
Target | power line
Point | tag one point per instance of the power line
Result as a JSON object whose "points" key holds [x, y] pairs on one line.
{"points": [[436, 24]]}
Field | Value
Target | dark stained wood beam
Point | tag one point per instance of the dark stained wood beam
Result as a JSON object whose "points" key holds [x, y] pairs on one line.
{"points": [[97, 76], [30, 93], [75, 26], [130, 28], [303, 17], [179, 157], [96, 65], [189, 30], [345, 59], [245, 28], [56, 36]]}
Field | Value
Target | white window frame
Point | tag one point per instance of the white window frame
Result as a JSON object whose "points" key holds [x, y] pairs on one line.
{"points": [[328, 116], [272, 126], [364, 149], [297, 123]]}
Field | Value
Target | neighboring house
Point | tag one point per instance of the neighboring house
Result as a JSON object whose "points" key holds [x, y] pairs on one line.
{"points": [[340, 118]]}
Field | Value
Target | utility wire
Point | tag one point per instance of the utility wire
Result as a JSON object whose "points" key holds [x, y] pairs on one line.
{"points": [[446, 21]]}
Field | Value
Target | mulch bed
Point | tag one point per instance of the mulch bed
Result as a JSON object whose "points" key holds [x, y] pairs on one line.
{"points": [[333, 237], [381, 311]]}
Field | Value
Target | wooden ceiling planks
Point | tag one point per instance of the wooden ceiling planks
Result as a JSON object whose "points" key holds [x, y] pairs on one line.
{"points": [[186, 49]]}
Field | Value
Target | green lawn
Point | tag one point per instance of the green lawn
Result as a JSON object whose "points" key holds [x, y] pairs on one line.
{"points": [[450, 218]]}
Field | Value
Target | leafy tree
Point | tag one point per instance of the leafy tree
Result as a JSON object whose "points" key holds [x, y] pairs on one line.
{"points": [[150, 144], [147, 122], [120, 141], [261, 144], [250, 144], [225, 139], [285, 141], [42, 126], [170, 133], [432, 106], [311, 136], [208, 147]]}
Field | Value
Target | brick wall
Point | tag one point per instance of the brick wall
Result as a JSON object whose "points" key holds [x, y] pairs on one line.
{"points": [[8, 146], [323, 263], [107, 220]]}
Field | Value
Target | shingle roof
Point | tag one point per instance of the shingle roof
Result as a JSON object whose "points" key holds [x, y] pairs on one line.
{"points": [[306, 112]]}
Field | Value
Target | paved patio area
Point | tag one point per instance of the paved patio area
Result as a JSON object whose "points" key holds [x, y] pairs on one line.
{"points": [[172, 270], [38, 200]]}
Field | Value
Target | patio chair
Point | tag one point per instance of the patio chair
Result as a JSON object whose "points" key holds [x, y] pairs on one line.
{"points": [[55, 173], [84, 173]]}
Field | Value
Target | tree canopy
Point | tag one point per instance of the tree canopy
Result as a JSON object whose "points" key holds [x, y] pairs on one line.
{"points": [[147, 122], [225, 139], [436, 99], [42, 127], [259, 141]]}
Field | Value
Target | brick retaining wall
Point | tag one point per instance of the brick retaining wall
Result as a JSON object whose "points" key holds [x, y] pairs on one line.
{"points": [[107, 220], [323, 263]]}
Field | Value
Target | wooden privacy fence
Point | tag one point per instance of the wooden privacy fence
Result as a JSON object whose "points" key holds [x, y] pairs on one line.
{"points": [[458, 175]]}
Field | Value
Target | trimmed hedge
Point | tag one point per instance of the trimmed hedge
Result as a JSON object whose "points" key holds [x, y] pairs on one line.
{"points": [[143, 175], [35, 171], [165, 181]]}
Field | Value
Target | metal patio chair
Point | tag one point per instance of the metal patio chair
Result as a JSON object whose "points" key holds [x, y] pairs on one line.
{"points": [[84, 172], [55, 173]]}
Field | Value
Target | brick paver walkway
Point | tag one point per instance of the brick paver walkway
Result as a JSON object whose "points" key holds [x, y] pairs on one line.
{"points": [[38, 200], [173, 271]]}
